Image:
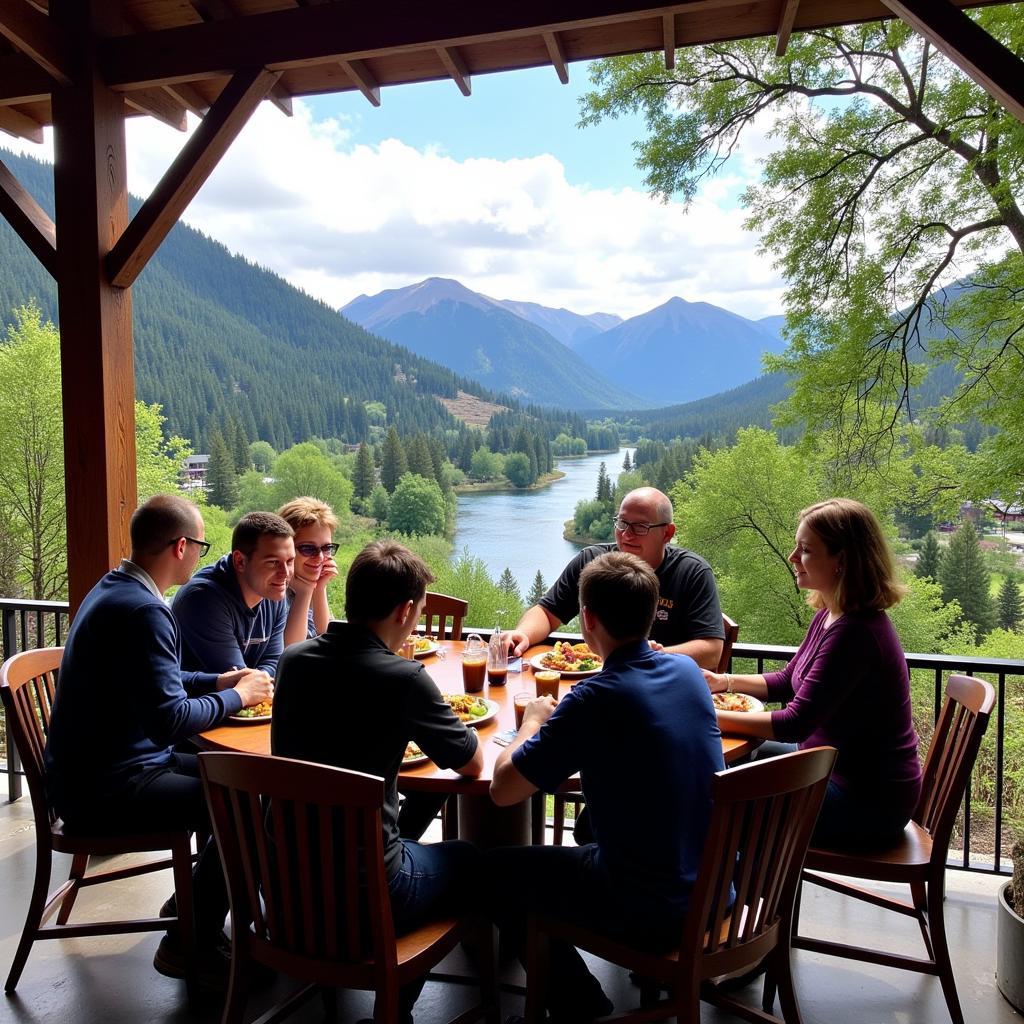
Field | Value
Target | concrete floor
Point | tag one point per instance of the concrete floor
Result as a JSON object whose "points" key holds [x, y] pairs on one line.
{"points": [[112, 981]]}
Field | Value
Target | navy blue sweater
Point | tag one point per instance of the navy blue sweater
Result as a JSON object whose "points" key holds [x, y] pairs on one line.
{"points": [[219, 631], [122, 699]]}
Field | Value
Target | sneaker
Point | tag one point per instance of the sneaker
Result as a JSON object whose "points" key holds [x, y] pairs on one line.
{"points": [[169, 908], [212, 963]]}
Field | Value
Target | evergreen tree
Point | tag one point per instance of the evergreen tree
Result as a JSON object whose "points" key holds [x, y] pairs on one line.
{"points": [[538, 590], [240, 451], [929, 558], [364, 478], [394, 464], [466, 449], [1010, 606], [604, 484], [507, 584], [221, 477], [418, 453], [626, 464], [965, 578]]}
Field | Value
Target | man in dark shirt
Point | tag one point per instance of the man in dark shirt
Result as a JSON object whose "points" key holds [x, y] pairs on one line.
{"points": [[644, 738], [688, 619], [123, 702], [233, 613], [347, 698]]}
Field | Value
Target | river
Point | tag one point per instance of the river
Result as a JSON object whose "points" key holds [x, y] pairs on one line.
{"points": [[522, 530]]}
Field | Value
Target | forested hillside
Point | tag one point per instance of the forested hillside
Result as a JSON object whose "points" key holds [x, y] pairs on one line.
{"points": [[219, 339]]}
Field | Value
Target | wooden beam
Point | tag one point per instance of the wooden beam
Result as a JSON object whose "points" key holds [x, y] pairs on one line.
{"points": [[281, 98], [32, 33], [90, 182], [189, 97], [14, 122], [787, 17], [29, 220], [456, 68], [557, 55], [22, 80], [364, 81], [299, 36], [159, 104], [998, 70], [193, 165], [668, 33]]}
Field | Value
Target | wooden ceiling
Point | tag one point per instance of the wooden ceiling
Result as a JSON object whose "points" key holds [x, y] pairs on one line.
{"points": [[171, 56]]}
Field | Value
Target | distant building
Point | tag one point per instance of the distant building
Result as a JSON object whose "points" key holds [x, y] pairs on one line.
{"points": [[193, 473]]}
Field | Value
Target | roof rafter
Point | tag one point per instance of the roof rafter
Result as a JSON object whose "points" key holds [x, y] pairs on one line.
{"points": [[31, 222], [668, 32], [364, 81], [557, 54], [32, 33], [456, 68], [14, 122], [787, 16]]}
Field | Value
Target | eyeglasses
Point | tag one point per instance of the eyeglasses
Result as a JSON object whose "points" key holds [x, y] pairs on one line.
{"points": [[203, 545], [638, 529], [312, 550]]}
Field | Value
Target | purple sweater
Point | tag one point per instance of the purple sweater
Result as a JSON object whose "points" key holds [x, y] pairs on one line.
{"points": [[848, 687]]}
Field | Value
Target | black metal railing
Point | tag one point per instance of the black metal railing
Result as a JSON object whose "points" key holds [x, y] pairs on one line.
{"points": [[28, 624]]}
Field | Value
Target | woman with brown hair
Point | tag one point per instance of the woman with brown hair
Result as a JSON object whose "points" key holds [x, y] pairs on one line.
{"points": [[848, 684]]}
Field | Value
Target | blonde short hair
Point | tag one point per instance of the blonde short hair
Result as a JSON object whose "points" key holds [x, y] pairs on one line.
{"points": [[867, 573], [306, 511]]}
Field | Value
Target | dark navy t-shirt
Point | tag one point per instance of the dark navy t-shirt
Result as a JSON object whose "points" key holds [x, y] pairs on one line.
{"points": [[644, 738]]}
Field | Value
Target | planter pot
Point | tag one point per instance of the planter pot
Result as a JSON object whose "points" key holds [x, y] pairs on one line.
{"points": [[1010, 952]]}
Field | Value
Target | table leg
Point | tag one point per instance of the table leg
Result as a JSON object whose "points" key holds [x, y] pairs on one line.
{"points": [[482, 822]]}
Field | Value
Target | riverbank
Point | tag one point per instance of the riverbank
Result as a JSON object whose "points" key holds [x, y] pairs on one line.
{"points": [[575, 538], [499, 486]]}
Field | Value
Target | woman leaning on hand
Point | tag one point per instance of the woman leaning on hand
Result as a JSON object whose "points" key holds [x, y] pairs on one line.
{"points": [[848, 684], [314, 523]]}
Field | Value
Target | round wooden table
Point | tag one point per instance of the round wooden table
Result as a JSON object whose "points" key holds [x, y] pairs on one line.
{"points": [[479, 818]]}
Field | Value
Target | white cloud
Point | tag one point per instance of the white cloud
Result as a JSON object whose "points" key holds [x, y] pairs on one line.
{"points": [[340, 219]]}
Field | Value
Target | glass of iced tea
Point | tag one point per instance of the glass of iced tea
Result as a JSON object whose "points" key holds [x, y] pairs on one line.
{"points": [[474, 664], [519, 702], [546, 682]]}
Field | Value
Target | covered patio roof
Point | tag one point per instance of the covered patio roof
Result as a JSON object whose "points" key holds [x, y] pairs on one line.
{"points": [[82, 66]]}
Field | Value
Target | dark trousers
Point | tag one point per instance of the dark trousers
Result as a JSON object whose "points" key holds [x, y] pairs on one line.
{"points": [[567, 883], [435, 880], [417, 812], [166, 799]]}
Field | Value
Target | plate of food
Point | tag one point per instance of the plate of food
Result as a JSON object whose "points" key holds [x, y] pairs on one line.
{"points": [[261, 712], [424, 645], [472, 710], [413, 755], [573, 660], [736, 702]]}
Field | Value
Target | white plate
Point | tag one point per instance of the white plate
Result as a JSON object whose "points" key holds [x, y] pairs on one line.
{"points": [[537, 661], [250, 719], [492, 709], [755, 704], [408, 762], [427, 651]]}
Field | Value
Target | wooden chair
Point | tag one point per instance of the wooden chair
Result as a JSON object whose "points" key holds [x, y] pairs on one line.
{"points": [[919, 858], [440, 607], [562, 800], [308, 892], [28, 683], [761, 823]]}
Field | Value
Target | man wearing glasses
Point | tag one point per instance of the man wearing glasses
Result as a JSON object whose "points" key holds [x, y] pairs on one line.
{"points": [[233, 613], [688, 618], [123, 703]]}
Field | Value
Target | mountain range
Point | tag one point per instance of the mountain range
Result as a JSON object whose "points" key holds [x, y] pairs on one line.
{"points": [[678, 352]]}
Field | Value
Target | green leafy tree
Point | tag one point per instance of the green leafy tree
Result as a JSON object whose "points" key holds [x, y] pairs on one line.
{"points": [[304, 469], [261, 456], [254, 494], [965, 578], [518, 469], [365, 477], [32, 507], [380, 504], [417, 506], [507, 585], [158, 459], [538, 590], [394, 464], [1010, 607], [929, 558], [221, 477], [486, 465], [894, 172], [592, 520]]}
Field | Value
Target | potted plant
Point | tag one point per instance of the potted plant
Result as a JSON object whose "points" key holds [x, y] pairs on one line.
{"points": [[1010, 933]]}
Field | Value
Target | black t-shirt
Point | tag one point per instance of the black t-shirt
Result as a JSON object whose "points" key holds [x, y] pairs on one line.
{"points": [[688, 607], [344, 699]]}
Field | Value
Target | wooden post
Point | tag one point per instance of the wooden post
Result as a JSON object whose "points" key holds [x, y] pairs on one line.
{"points": [[91, 198]]}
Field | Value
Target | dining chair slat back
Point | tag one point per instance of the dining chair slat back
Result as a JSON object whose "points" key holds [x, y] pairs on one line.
{"points": [[303, 854], [441, 608], [918, 858], [732, 632], [741, 905], [29, 684]]}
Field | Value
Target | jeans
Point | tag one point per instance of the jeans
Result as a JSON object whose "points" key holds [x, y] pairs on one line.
{"points": [[166, 799], [568, 883], [431, 883]]}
